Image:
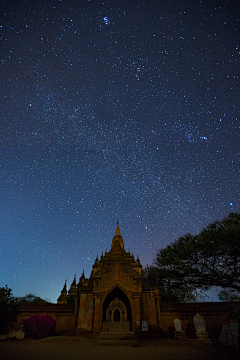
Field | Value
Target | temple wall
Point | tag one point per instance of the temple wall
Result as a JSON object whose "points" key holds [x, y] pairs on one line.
{"points": [[148, 310], [86, 313], [214, 313], [62, 314]]}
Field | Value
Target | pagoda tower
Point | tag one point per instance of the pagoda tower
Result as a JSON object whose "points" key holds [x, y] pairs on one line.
{"points": [[114, 297]]}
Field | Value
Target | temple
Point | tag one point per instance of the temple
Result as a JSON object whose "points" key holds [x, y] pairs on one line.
{"points": [[114, 297]]}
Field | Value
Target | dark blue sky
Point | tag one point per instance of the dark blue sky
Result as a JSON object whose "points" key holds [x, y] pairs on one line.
{"points": [[113, 110]]}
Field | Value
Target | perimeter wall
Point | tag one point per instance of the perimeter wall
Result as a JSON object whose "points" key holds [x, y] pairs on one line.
{"points": [[62, 314], [214, 313]]}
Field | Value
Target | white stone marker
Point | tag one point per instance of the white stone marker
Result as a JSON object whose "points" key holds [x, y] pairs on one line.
{"points": [[178, 328], [224, 336], [200, 327]]}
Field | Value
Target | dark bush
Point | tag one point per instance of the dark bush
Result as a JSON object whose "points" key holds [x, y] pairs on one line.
{"points": [[8, 309], [39, 326]]}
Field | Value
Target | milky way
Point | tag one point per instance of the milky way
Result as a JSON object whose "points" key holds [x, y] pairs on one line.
{"points": [[113, 110]]}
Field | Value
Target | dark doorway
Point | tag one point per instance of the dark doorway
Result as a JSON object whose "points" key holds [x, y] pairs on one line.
{"points": [[118, 293], [116, 315]]}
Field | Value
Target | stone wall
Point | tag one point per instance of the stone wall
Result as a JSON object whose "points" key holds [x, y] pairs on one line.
{"points": [[62, 314], [148, 310], [85, 313], [214, 313]]}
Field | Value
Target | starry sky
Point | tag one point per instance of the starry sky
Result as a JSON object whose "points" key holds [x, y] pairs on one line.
{"points": [[113, 110]]}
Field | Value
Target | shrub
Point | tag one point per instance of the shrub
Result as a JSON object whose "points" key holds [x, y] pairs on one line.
{"points": [[39, 326], [8, 309]]}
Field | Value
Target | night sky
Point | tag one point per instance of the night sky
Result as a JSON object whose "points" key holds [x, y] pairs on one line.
{"points": [[113, 110]]}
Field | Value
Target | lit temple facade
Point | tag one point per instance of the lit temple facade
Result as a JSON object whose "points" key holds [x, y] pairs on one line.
{"points": [[114, 297]]}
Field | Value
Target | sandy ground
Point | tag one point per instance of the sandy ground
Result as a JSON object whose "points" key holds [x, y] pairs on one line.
{"points": [[85, 348]]}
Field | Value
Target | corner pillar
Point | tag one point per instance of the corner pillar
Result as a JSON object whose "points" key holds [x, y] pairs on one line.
{"points": [[97, 315], [136, 317], [76, 312]]}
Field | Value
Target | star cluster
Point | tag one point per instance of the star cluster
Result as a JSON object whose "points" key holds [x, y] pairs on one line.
{"points": [[113, 110]]}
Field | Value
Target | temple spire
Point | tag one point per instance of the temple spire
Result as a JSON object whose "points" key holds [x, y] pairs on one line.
{"points": [[83, 275], [117, 230], [118, 238]]}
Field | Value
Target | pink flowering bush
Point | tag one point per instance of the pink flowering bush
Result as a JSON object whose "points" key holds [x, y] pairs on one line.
{"points": [[39, 326]]}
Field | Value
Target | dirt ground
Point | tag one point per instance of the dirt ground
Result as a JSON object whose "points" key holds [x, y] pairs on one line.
{"points": [[86, 348]]}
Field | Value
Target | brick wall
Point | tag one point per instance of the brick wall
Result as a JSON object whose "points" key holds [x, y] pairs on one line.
{"points": [[214, 313], [63, 314]]}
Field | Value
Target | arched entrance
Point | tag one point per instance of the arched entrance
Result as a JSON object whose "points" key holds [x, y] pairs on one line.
{"points": [[116, 316], [117, 312]]}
